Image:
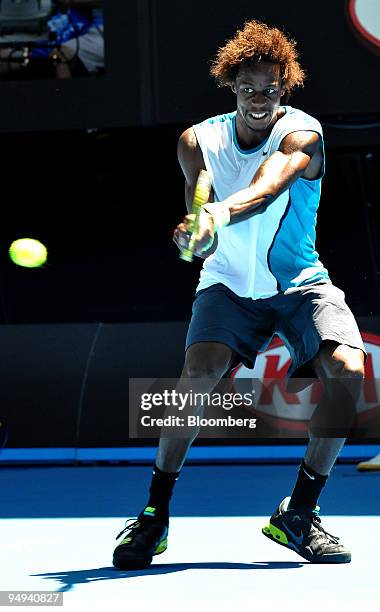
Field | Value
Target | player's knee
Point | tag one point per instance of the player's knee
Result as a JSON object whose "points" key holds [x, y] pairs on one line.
{"points": [[353, 370], [345, 362], [351, 367], [204, 366], [207, 368], [206, 360], [348, 374]]}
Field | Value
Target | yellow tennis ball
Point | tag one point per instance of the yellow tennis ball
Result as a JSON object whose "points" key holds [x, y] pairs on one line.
{"points": [[28, 252]]}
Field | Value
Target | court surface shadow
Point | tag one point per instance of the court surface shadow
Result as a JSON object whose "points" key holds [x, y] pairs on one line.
{"points": [[70, 579]]}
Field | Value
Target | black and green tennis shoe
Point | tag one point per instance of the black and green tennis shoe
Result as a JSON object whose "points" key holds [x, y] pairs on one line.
{"points": [[301, 531], [143, 538]]}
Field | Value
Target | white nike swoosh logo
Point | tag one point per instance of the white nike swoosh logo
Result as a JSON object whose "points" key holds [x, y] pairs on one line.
{"points": [[309, 475]]}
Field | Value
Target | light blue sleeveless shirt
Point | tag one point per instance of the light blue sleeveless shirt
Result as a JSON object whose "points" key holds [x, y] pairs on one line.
{"points": [[274, 250]]}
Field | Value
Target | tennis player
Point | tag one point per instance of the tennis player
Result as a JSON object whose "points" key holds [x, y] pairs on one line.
{"points": [[261, 276]]}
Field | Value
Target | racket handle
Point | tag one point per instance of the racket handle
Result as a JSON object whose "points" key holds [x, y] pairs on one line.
{"points": [[187, 253], [201, 196]]}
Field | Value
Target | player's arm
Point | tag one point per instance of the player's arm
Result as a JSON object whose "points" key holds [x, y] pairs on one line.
{"points": [[191, 161], [300, 155]]}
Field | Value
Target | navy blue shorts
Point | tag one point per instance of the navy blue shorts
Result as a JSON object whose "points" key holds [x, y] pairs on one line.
{"points": [[301, 316]]}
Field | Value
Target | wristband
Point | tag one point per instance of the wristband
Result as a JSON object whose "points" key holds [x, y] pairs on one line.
{"points": [[220, 213]]}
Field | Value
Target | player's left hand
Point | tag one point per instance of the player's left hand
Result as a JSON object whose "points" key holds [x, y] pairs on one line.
{"points": [[204, 236]]}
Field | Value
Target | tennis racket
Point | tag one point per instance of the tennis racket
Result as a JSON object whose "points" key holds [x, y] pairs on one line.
{"points": [[201, 196]]}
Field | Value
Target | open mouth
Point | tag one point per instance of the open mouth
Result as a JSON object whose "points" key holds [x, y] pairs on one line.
{"points": [[258, 116]]}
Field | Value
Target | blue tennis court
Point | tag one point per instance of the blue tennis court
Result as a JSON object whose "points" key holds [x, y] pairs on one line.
{"points": [[59, 526]]}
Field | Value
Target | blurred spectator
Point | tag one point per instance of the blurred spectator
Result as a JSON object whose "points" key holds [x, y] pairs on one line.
{"points": [[72, 45], [83, 52]]}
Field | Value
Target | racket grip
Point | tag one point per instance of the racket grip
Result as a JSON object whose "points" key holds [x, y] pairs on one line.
{"points": [[187, 253], [201, 196]]}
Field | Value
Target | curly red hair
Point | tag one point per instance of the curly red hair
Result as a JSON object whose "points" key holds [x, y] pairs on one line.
{"points": [[255, 42]]}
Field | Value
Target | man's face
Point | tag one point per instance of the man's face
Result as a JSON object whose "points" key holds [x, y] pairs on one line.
{"points": [[258, 91]]}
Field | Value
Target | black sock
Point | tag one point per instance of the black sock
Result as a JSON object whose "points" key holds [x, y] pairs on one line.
{"points": [[160, 492], [307, 488]]}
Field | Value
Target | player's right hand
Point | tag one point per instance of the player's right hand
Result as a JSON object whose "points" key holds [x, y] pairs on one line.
{"points": [[204, 234]]}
